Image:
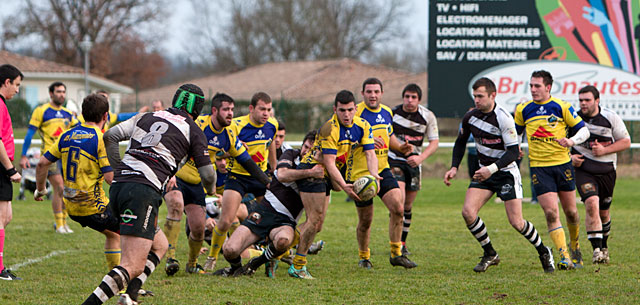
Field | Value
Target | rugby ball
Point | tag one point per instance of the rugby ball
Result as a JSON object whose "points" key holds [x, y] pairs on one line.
{"points": [[366, 187]]}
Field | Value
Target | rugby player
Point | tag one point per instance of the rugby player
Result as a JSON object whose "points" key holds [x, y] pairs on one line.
{"points": [[595, 164], [184, 192], [275, 217], [281, 146], [380, 118], [257, 131], [113, 118], [412, 122], [160, 143], [335, 139], [50, 120], [545, 120], [494, 133], [84, 167], [10, 79]]}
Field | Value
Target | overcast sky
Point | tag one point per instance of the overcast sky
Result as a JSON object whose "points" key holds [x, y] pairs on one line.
{"points": [[178, 19]]}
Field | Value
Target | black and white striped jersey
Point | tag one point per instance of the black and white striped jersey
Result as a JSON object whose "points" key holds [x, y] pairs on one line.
{"points": [[493, 132], [606, 127], [413, 127], [160, 143], [284, 197]]}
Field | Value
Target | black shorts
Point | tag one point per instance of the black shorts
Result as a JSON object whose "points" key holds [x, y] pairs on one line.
{"points": [[6, 188], [558, 178], [99, 222], [263, 218], [403, 172], [313, 185], [388, 183], [596, 185], [191, 193], [506, 184], [136, 207], [244, 184]]}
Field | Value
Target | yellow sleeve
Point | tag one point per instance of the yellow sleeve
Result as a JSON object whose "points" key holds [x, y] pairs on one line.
{"points": [[113, 118], [570, 116], [328, 138], [367, 138], [518, 115], [103, 161], [36, 117], [235, 147], [54, 150]]}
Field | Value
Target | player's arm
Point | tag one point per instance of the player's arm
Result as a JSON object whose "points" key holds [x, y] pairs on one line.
{"points": [[273, 155], [434, 141], [42, 170], [404, 148], [459, 147], [621, 137], [578, 128], [199, 152], [368, 148], [24, 161], [286, 171], [12, 173], [113, 136], [329, 162]]}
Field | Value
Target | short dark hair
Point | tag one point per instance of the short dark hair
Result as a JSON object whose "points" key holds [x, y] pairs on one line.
{"points": [[547, 79], [413, 88], [216, 101], [260, 96], [53, 86], [281, 125], [9, 72], [371, 81], [310, 136], [94, 106], [344, 97], [486, 83], [592, 89]]}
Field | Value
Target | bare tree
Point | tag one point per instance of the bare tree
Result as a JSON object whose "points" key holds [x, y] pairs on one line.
{"points": [[62, 25]]}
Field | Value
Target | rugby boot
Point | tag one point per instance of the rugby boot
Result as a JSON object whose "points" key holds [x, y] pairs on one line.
{"points": [[547, 262], [403, 261], [486, 261]]}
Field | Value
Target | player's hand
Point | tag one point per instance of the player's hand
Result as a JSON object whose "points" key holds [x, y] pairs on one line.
{"points": [[348, 188], [317, 171], [482, 174], [450, 174], [565, 142], [576, 160], [144, 109], [209, 223], [406, 148], [414, 161], [39, 195], [598, 149], [378, 142], [171, 184], [24, 162], [16, 178], [521, 152]]}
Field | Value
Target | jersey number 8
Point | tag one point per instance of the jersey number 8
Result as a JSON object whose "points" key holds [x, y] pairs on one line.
{"points": [[155, 134]]}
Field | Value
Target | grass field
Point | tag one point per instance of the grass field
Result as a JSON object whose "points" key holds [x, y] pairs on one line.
{"points": [[64, 269]]}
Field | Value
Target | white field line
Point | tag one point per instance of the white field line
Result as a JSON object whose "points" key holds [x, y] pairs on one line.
{"points": [[38, 259]]}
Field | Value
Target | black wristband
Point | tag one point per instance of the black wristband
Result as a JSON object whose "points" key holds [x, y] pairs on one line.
{"points": [[12, 171]]}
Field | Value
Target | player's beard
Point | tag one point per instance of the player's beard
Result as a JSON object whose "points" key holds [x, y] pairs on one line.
{"points": [[58, 103], [222, 121]]}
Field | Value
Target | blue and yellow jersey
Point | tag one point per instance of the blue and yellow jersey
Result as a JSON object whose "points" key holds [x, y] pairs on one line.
{"points": [[545, 122], [84, 162], [337, 139], [258, 138], [219, 143], [220, 181], [381, 121], [51, 122]]}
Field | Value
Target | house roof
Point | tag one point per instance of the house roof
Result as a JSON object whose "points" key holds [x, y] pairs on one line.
{"points": [[33, 67], [314, 81]]}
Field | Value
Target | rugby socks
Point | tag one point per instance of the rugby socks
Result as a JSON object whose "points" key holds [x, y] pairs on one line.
{"points": [[364, 254], [172, 231], [235, 263], [269, 253], [479, 231], [531, 234], [1, 249], [111, 284], [194, 251], [595, 237], [113, 257], [396, 248], [59, 219], [134, 287], [299, 261], [65, 215], [606, 229], [558, 238], [405, 226], [574, 232], [217, 239], [234, 226]]}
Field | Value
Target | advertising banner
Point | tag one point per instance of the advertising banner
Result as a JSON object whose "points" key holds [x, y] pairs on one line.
{"points": [[581, 42]]}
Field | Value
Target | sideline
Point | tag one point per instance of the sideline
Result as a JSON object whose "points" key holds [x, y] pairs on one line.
{"points": [[37, 260]]}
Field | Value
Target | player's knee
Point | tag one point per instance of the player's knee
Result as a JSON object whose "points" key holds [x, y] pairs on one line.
{"points": [[551, 215], [469, 216], [230, 250], [282, 243]]}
